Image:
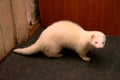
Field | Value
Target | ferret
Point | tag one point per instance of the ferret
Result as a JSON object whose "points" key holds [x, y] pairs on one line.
{"points": [[65, 34]]}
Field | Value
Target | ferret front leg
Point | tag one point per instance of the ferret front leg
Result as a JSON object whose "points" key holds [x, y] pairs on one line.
{"points": [[83, 55]]}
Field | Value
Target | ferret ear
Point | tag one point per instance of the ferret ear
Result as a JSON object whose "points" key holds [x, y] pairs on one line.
{"points": [[93, 36]]}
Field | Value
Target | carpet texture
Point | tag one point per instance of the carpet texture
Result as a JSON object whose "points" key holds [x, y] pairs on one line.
{"points": [[105, 64]]}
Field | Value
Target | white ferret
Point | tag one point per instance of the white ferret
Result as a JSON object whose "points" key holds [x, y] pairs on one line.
{"points": [[65, 34]]}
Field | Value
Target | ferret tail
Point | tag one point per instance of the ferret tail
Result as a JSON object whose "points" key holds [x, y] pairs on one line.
{"points": [[28, 50]]}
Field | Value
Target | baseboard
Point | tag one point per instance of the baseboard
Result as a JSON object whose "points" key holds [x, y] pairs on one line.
{"points": [[34, 29]]}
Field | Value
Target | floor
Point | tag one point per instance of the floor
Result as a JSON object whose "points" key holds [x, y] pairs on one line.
{"points": [[105, 64]]}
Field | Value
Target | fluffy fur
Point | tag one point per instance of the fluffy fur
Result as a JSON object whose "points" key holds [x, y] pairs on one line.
{"points": [[65, 34]]}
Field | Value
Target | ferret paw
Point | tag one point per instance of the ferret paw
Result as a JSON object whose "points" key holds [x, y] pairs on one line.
{"points": [[86, 58], [55, 55], [58, 55]]}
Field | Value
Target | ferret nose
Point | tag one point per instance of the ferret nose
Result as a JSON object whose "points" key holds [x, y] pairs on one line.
{"points": [[101, 47]]}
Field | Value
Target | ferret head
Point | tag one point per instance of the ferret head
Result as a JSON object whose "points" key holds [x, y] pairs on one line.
{"points": [[98, 40]]}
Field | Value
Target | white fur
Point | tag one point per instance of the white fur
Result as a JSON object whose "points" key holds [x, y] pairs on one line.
{"points": [[67, 34]]}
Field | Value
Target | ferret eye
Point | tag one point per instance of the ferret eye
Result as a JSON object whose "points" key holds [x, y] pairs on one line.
{"points": [[96, 42], [103, 43]]}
